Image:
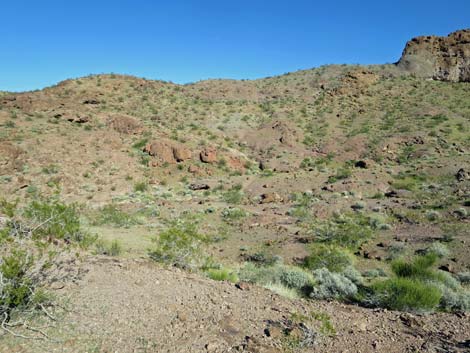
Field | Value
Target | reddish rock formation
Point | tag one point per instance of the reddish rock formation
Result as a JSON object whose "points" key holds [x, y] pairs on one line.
{"points": [[181, 153], [162, 150], [440, 58], [208, 155], [168, 151]]}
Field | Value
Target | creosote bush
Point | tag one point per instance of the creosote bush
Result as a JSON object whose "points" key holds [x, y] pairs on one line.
{"points": [[47, 219], [18, 290], [180, 245]]}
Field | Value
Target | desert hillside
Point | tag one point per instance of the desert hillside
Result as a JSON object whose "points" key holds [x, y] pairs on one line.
{"points": [[323, 210]]}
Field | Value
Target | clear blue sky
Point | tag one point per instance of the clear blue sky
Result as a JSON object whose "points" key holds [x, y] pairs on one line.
{"points": [[43, 42]]}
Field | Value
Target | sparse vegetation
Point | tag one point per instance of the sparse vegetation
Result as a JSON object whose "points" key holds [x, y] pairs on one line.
{"points": [[180, 245]]}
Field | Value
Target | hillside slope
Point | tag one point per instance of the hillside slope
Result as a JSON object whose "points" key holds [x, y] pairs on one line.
{"points": [[345, 168]]}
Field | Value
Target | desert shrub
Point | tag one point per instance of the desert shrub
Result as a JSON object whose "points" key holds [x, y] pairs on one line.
{"points": [[222, 274], [464, 277], [353, 275], [407, 294], [113, 248], [331, 257], [282, 290], [140, 144], [419, 268], [395, 251], [263, 275], [374, 273], [419, 286], [141, 186], [8, 208], [180, 245], [233, 214], [454, 300], [447, 280], [433, 215], [14, 284], [330, 285], [346, 231], [341, 173], [50, 218], [294, 277], [113, 215], [263, 258], [438, 249], [327, 328], [302, 204], [406, 183], [234, 195], [18, 290]]}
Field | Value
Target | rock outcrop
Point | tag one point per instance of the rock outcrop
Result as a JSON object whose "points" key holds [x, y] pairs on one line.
{"points": [[168, 151], [440, 58]]}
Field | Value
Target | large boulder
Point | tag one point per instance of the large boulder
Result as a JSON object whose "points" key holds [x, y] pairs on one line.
{"points": [[440, 58], [168, 151], [161, 150], [181, 153], [208, 155]]}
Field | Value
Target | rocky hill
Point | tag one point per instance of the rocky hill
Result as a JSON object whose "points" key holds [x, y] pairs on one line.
{"points": [[440, 58], [320, 210]]}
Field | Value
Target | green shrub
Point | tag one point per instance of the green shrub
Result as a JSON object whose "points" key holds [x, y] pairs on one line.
{"points": [[419, 268], [141, 186], [112, 215], [180, 246], [233, 214], [234, 195], [8, 208], [140, 144], [222, 274], [341, 173], [345, 231], [331, 257], [419, 286], [51, 218], [407, 294], [17, 289], [113, 248]]}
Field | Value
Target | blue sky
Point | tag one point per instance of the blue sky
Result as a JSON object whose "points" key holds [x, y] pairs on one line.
{"points": [[43, 42]]}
